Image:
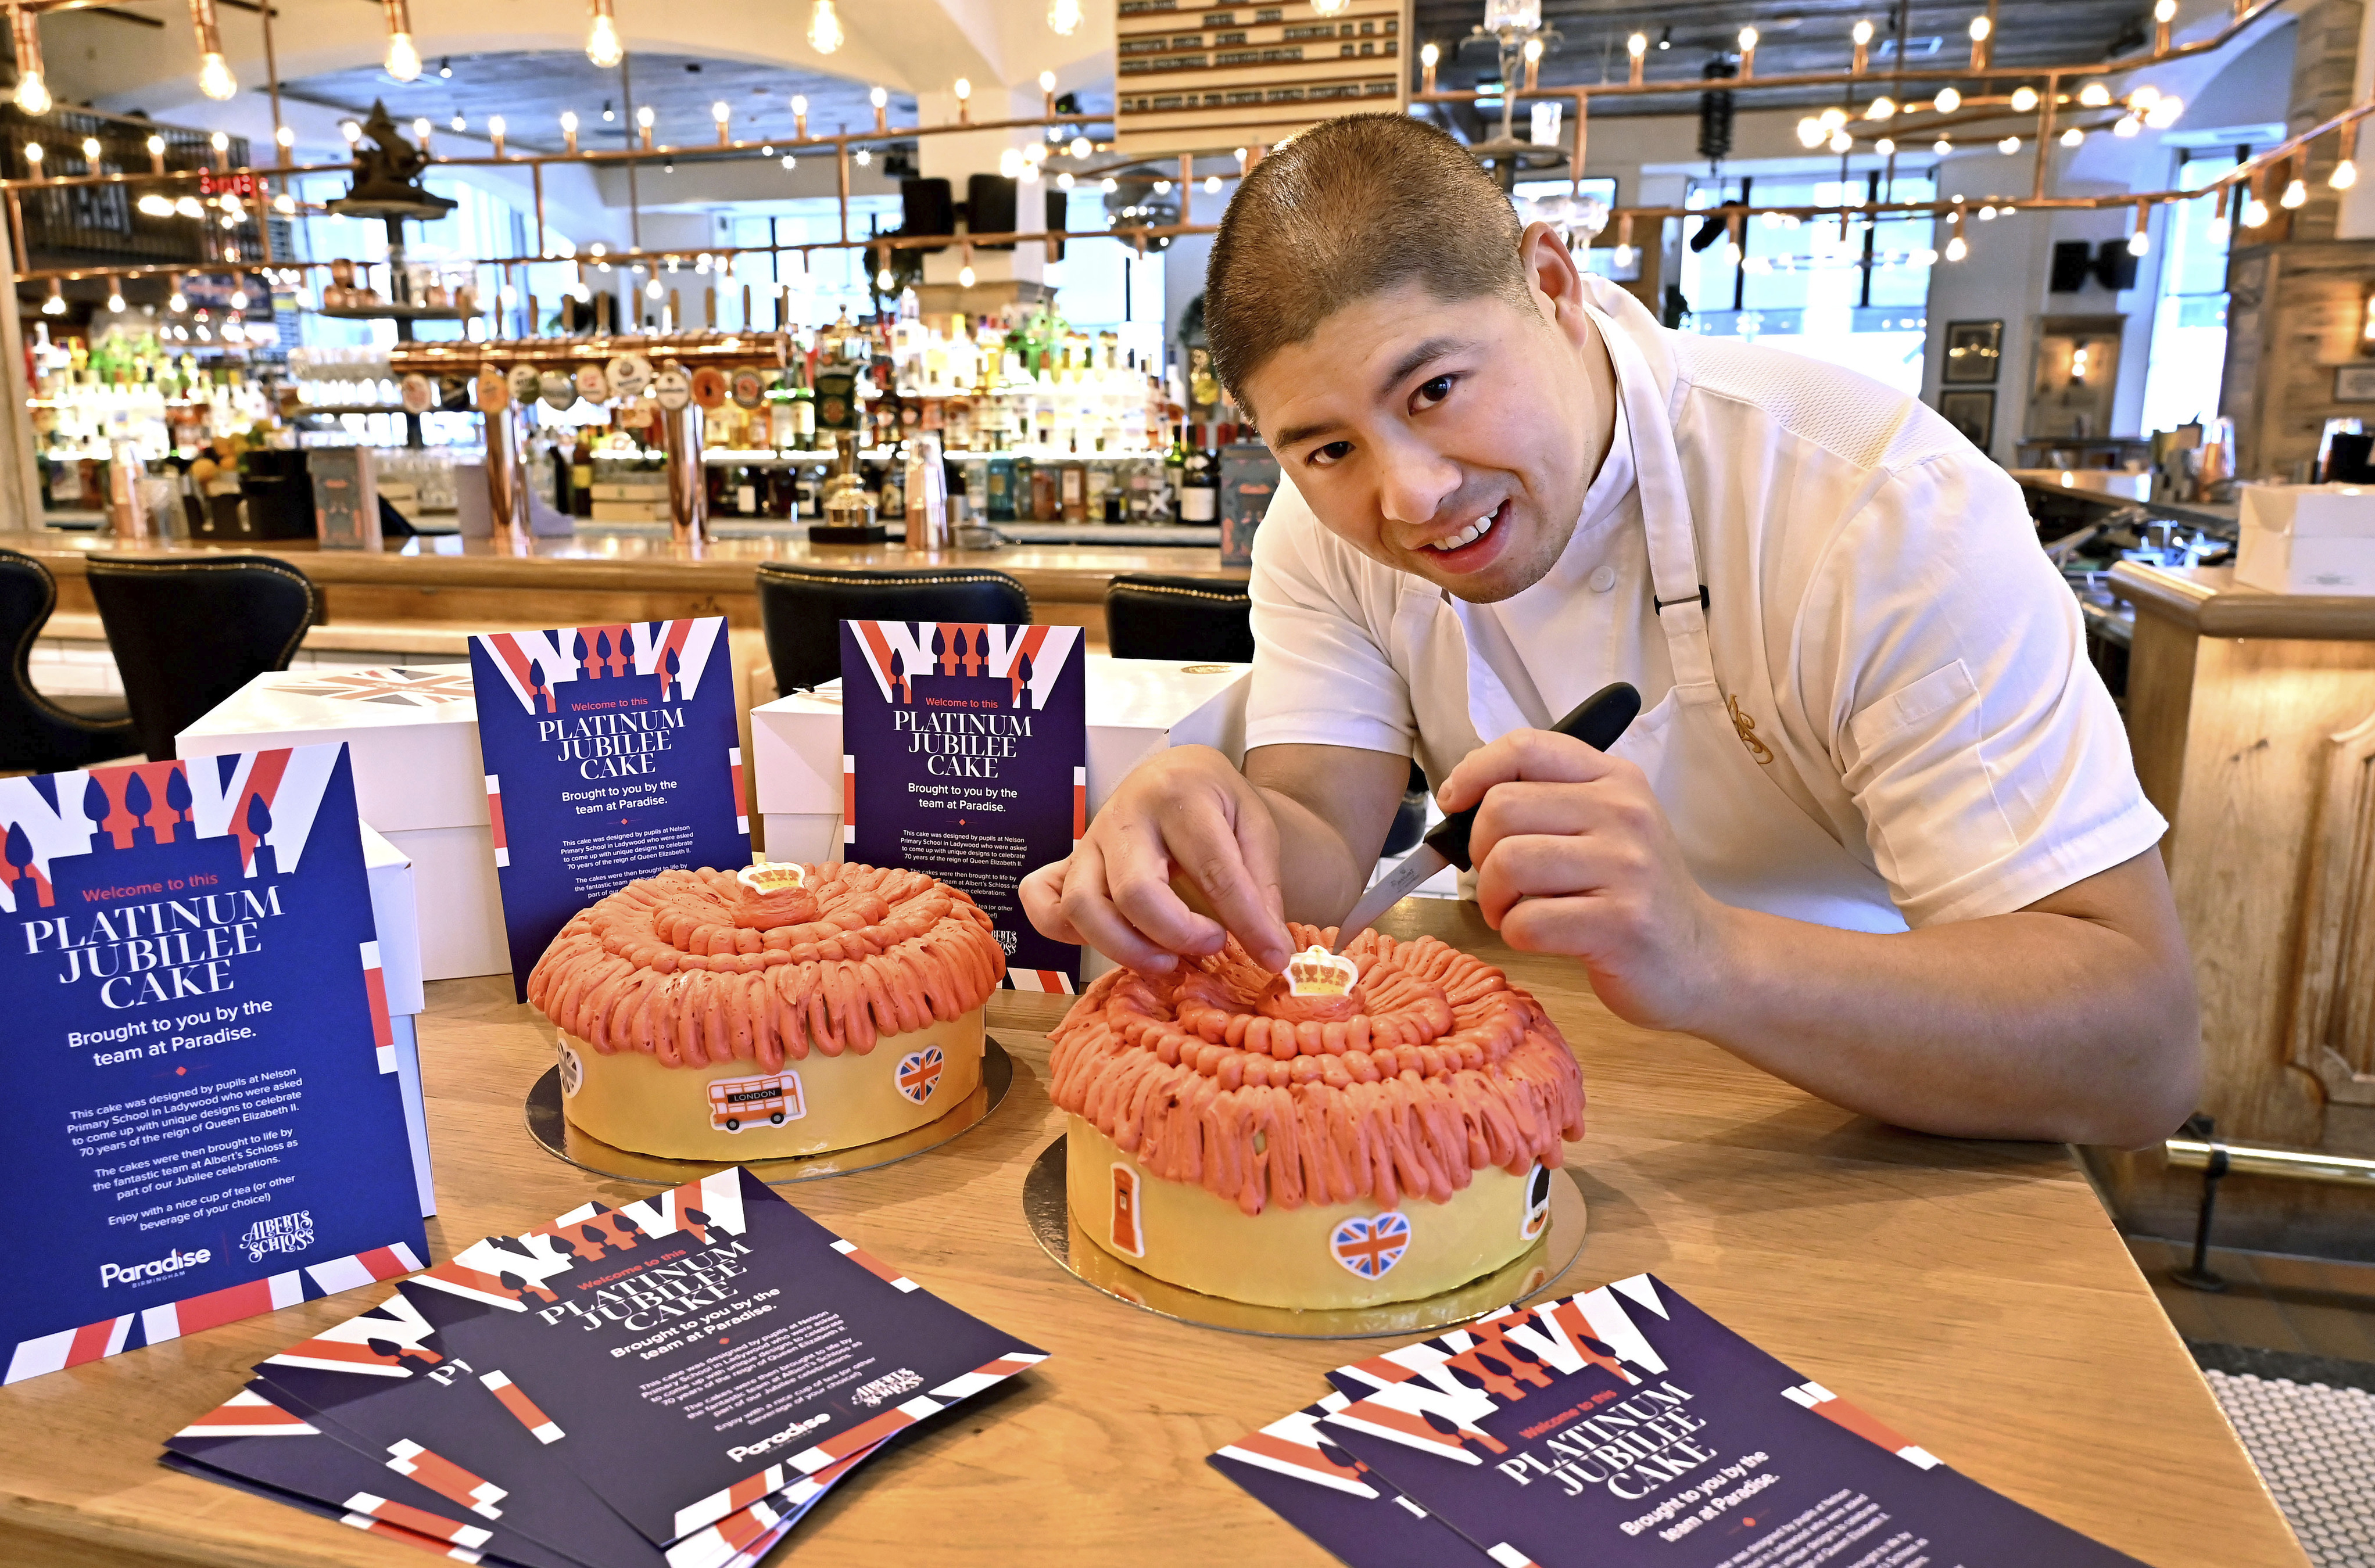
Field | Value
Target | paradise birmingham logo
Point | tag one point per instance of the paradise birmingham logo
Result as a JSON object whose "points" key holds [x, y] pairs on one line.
{"points": [[284, 1232], [143, 1273]]}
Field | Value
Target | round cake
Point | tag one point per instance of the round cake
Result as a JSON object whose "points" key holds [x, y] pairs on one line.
{"points": [[773, 1011], [1371, 1127]]}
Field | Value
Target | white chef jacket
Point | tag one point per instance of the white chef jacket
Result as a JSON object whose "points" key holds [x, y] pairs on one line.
{"points": [[1879, 612]]}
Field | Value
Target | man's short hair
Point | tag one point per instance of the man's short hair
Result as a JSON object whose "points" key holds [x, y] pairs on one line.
{"points": [[1350, 207]]}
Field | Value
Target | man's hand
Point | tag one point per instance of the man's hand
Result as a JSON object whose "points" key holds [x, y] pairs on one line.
{"points": [[1189, 852], [1574, 855], [1184, 813]]}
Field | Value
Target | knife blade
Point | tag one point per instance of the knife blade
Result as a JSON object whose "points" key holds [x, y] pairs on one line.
{"points": [[1598, 720]]}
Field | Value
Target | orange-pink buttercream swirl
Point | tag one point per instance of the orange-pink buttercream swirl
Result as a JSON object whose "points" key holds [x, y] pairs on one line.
{"points": [[675, 966], [1213, 1076]]}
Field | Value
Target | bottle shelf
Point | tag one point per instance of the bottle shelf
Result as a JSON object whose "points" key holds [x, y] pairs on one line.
{"points": [[395, 312]]}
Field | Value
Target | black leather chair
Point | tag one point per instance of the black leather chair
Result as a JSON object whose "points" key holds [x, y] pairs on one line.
{"points": [[40, 734], [1188, 619], [188, 633], [802, 608]]}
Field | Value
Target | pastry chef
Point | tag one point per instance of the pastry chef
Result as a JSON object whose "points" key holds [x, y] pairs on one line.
{"points": [[1876, 829]]}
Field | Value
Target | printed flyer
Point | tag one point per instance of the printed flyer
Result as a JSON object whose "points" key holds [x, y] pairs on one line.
{"points": [[706, 1348], [1294, 1466], [611, 753], [966, 755], [1624, 1426], [199, 1069]]}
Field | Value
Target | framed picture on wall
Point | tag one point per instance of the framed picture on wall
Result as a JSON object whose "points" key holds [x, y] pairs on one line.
{"points": [[2354, 384], [1973, 347], [1973, 413]]}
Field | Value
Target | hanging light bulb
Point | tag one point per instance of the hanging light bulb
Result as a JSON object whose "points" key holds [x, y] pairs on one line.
{"points": [[965, 275], [602, 46], [2072, 137], [2024, 98], [721, 111], [354, 133], [238, 298], [1882, 108], [569, 129], [177, 302], [863, 157], [34, 154], [458, 122], [2094, 95], [824, 27], [790, 162], [1885, 146], [2139, 243], [403, 60], [2296, 192], [2255, 214], [214, 73], [2008, 145], [154, 205], [32, 84], [1082, 146], [654, 290], [1841, 142], [2164, 114], [1831, 119], [2344, 175], [2126, 126], [1942, 146], [55, 305], [1947, 101], [116, 295], [1809, 132], [1064, 16], [882, 281], [1957, 247]]}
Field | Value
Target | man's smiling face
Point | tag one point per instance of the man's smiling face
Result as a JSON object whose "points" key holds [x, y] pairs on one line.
{"points": [[1450, 440]]}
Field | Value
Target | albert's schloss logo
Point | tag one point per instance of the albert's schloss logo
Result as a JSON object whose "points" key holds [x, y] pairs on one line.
{"points": [[140, 1273], [283, 1232]]}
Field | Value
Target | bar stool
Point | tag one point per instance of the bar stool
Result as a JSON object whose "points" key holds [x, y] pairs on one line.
{"points": [[802, 608], [188, 633], [40, 734], [1188, 618]]}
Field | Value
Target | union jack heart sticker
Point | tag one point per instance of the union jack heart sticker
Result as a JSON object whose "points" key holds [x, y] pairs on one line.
{"points": [[1371, 1245], [919, 1073]]}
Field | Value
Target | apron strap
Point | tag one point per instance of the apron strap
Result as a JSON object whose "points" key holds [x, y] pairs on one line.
{"points": [[1678, 592]]}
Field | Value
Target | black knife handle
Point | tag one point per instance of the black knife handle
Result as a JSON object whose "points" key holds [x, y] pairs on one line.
{"points": [[1598, 720]]}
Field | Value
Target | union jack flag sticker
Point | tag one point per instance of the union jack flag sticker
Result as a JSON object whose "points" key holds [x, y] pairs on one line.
{"points": [[1370, 1246], [919, 1073]]}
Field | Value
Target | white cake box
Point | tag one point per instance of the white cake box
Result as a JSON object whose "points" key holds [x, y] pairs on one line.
{"points": [[2308, 539], [412, 733], [396, 916], [1135, 707]]}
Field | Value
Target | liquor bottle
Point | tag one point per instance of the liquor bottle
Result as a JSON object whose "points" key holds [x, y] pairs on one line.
{"points": [[1200, 500], [1174, 473], [1073, 495]]}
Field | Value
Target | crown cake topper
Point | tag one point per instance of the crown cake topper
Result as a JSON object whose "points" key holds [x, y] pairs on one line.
{"points": [[1316, 972], [764, 880]]}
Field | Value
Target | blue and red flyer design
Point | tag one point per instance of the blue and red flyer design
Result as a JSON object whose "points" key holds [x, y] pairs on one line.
{"points": [[706, 1349], [383, 1385], [965, 754], [1296, 1466], [199, 1069], [1625, 1427], [611, 752]]}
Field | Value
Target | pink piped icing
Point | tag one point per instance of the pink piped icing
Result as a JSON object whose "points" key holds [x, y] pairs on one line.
{"points": [[1432, 1068], [696, 967]]}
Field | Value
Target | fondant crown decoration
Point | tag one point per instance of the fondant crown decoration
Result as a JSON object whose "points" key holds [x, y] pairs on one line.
{"points": [[765, 879], [1316, 972]]}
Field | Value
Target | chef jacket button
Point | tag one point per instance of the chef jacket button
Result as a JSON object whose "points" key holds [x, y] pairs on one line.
{"points": [[1603, 578]]}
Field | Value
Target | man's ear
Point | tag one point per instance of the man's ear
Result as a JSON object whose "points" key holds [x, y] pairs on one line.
{"points": [[1553, 278]]}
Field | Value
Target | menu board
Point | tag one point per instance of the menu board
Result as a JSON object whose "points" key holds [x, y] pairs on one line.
{"points": [[966, 755], [611, 753], [199, 1069], [1195, 78]]}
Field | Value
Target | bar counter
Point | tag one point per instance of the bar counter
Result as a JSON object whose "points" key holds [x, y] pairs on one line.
{"points": [[1972, 1295], [602, 575]]}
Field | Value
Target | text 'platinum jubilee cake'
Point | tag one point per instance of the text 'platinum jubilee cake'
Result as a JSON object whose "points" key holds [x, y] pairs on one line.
{"points": [[1370, 1127], [773, 1011]]}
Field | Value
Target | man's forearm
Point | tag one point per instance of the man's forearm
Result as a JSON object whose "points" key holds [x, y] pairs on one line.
{"points": [[1321, 874], [2030, 1025]]}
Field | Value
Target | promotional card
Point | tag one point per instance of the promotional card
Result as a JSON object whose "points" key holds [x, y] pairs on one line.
{"points": [[199, 1064], [706, 1348], [1295, 1467], [966, 755], [1627, 1427], [611, 752]]}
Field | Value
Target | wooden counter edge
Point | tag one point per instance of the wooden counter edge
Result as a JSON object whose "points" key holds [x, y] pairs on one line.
{"points": [[2206, 600]]}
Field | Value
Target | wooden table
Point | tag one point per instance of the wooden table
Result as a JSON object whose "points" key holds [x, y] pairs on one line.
{"points": [[1972, 1295], [603, 575]]}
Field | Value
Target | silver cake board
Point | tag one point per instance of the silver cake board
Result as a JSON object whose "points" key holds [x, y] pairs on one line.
{"points": [[550, 1128], [1047, 1209]]}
